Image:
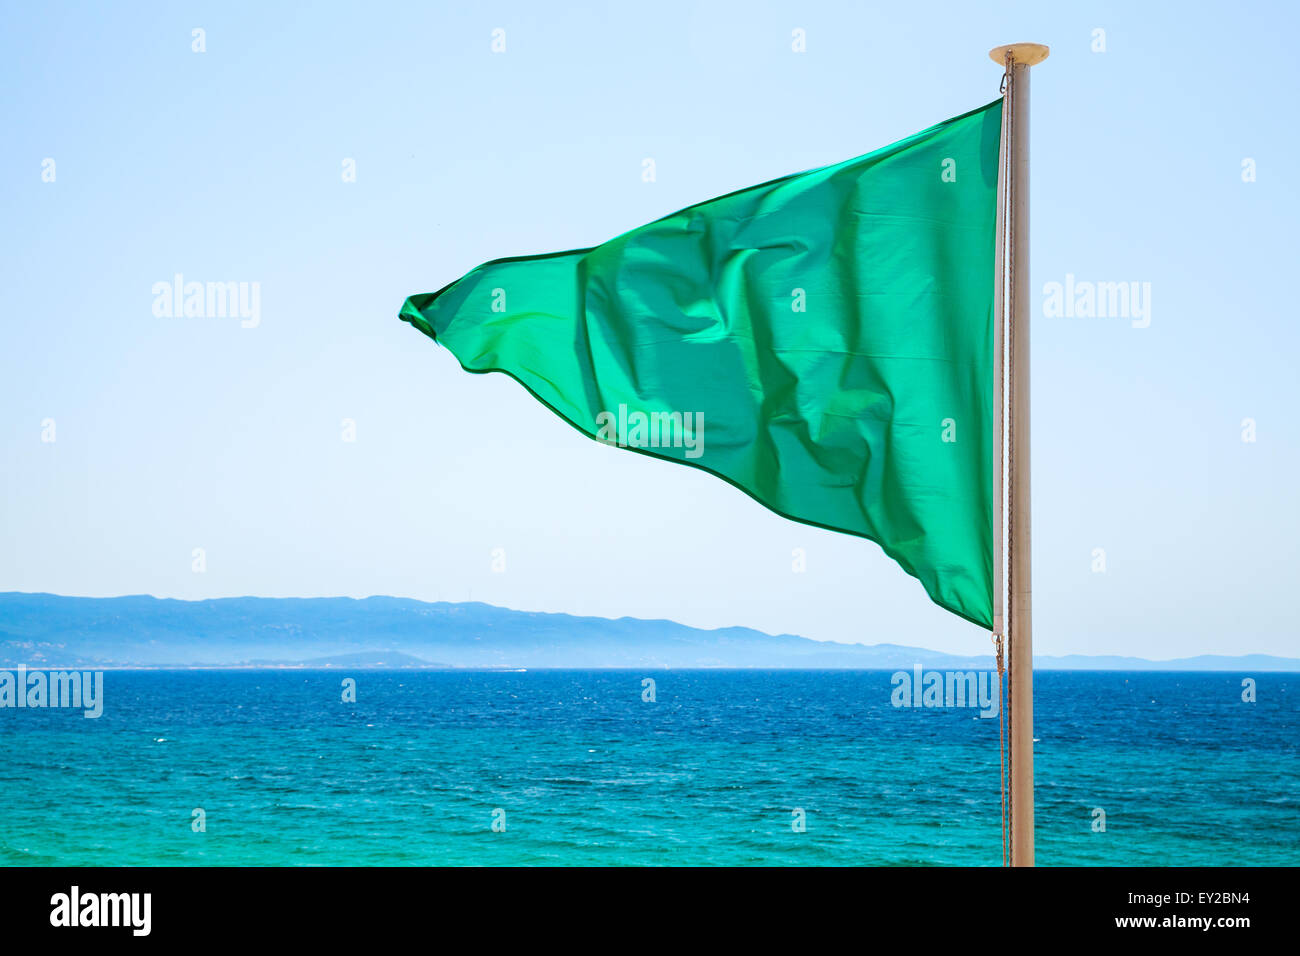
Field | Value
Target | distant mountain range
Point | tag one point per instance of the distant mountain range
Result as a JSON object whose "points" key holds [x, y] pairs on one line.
{"points": [[48, 630]]}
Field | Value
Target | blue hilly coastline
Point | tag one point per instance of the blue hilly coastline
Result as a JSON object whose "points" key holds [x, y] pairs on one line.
{"points": [[139, 631]]}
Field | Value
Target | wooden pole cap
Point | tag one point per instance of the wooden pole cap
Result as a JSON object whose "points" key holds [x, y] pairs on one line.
{"points": [[1025, 54]]}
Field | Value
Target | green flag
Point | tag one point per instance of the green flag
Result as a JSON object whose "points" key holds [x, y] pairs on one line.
{"points": [[824, 342]]}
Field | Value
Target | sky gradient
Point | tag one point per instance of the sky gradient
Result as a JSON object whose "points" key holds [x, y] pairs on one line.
{"points": [[176, 433]]}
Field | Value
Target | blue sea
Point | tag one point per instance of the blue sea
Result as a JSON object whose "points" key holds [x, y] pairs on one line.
{"points": [[574, 767]]}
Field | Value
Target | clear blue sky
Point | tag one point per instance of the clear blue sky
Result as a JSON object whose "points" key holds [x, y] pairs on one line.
{"points": [[174, 434]]}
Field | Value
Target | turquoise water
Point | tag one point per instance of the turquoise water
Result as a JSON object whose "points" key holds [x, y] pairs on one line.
{"points": [[588, 773]]}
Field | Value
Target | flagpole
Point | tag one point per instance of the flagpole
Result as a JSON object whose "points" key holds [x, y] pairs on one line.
{"points": [[1017, 58]]}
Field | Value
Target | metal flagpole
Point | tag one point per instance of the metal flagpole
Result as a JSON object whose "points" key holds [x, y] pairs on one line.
{"points": [[1017, 58]]}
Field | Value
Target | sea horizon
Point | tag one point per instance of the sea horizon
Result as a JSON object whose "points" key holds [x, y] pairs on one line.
{"points": [[620, 668], [42, 629]]}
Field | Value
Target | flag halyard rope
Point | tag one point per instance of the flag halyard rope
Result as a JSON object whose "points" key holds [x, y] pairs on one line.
{"points": [[1007, 88]]}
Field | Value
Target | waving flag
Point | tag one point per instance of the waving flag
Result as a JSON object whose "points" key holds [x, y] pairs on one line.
{"points": [[824, 342]]}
